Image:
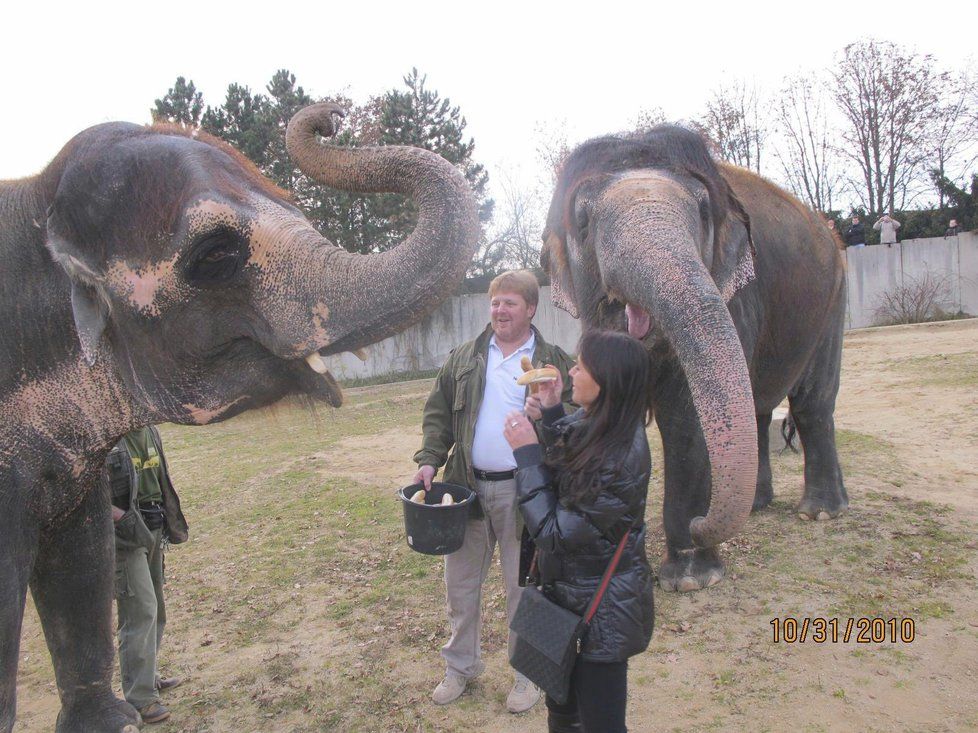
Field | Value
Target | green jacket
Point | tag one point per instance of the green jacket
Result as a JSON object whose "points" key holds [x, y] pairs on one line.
{"points": [[453, 405], [130, 531]]}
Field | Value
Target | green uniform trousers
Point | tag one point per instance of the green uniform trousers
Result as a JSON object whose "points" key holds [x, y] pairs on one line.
{"points": [[142, 616]]}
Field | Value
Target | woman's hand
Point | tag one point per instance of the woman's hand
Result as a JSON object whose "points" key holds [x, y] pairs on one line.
{"points": [[549, 392], [532, 408], [518, 430]]}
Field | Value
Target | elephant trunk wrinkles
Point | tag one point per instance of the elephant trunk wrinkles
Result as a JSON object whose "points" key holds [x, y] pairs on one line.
{"points": [[674, 286], [388, 292]]}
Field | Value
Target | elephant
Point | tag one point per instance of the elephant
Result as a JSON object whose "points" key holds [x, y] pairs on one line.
{"points": [[152, 274], [738, 292]]}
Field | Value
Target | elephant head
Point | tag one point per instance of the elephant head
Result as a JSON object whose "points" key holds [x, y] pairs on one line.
{"points": [[205, 287], [643, 233]]}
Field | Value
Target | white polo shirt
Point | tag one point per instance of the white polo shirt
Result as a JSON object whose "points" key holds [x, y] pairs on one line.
{"points": [[490, 451]]}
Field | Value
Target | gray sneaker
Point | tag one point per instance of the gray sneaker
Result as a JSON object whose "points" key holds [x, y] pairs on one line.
{"points": [[449, 689], [523, 696]]}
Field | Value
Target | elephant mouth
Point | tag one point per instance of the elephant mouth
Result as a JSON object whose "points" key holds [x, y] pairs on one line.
{"points": [[316, 380], [617, 313], [308, 376], [639, 321]]}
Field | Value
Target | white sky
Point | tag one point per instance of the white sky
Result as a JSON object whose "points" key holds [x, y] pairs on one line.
{"points": [[510, 66]]}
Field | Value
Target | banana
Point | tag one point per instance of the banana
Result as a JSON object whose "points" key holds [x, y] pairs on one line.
{"points": [[447, 500], [418, 497]]}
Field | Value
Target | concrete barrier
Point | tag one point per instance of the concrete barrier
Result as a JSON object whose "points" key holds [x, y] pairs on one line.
{"points": [[871, 272]]}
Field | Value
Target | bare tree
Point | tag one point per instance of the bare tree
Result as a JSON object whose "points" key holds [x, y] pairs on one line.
{"points": [[806, 153], [519, 218], [551, 148], [734, 124], [954, 132], [648, 118], [889, 98]]}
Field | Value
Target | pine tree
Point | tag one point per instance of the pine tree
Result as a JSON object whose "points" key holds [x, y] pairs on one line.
{"points": [[182, 104]]}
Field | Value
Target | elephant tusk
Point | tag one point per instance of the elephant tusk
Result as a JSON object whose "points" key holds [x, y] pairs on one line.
{"points": [[316, 363]]}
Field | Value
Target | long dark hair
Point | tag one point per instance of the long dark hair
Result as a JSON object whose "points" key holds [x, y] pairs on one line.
{"points": [[619, 364]]}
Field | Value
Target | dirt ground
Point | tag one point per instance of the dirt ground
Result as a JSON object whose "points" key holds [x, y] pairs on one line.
{"points": [[298, 607]]}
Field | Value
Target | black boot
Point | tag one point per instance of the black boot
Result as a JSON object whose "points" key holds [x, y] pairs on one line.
{"points": [[563, 723]]}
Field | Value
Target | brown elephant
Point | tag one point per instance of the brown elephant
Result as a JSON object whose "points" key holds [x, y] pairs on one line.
{"points": [[738, 291], [151, 274]]}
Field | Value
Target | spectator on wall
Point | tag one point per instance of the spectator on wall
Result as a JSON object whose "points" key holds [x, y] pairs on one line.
{"points": [[887, 226], [855, 234], [952, 229]]}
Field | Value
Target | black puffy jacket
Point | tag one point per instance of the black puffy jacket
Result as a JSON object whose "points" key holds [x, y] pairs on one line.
{"points": [[575, 543]]}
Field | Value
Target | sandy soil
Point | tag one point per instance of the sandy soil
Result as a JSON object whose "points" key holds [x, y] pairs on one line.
{"points": [[908, 412]]}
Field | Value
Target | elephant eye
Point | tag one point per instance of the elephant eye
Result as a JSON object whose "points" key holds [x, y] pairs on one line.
{"points": [[215, 258]]}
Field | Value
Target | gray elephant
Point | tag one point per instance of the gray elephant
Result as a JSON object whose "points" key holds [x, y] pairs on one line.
{"points": [[152, 274], [738, 291]]}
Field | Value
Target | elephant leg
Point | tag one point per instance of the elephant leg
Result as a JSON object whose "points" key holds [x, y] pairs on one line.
{"points": [[764, 493], [812, 407], [18, 541], [72, 585], [686, 467]]}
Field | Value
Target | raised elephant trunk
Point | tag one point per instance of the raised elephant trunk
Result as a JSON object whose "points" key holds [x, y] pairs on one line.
{"points": [[397, 288], [673, 286]]}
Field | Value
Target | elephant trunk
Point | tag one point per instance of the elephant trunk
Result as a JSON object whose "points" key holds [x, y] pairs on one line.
{"points": [[670, 282], [390, 291]]}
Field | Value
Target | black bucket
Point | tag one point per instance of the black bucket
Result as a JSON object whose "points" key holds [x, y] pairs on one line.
{"points": [[432, 528]]}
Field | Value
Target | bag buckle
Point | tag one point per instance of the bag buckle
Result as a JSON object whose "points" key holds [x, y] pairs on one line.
{"points": [[578, 645]]}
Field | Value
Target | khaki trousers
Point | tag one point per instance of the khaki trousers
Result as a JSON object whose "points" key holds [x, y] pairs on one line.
{"points": [[466, 570], [142, 617]]}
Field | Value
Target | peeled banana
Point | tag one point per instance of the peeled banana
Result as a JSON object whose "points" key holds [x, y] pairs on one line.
{"points": [[418, 497], [447, 499]]}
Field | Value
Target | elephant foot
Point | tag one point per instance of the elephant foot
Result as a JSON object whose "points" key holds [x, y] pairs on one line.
{"points": [[820, 509], [690, 570], [103, 713], [762, 498]]}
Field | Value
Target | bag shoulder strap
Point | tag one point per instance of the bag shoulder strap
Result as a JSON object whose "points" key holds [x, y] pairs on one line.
{"points": [[606, 578]]}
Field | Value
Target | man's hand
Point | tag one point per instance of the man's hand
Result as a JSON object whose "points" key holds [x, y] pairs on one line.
{"points": [[424, 476], [117, 513], [518, 431]]}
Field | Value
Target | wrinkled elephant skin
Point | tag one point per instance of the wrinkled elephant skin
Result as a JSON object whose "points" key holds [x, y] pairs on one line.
{"points": [[738, 291], [151, 274]]}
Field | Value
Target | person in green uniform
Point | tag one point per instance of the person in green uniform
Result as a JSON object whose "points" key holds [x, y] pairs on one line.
{"points": [[146, 513]]}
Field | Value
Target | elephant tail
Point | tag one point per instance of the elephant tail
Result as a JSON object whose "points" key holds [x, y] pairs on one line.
{"points": [[789, 432]]}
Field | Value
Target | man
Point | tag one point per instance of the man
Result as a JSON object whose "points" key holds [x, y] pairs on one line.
{"points": [[146, 511], [887, 226], [465, 414], [952, 229], [855, 234]]}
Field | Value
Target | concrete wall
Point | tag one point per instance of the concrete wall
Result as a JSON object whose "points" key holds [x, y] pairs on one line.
{"points": [[871, 271], [874, 270]]}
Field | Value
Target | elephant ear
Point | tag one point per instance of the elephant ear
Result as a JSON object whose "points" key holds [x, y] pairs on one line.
{"points": [[733, 259], [553, 259], [90, 305]]}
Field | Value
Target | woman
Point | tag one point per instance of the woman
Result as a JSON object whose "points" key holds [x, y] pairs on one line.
{"points": [[579, 494]]}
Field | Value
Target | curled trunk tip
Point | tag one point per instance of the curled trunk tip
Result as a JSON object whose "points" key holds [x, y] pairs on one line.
{"points": [[316, 119]]}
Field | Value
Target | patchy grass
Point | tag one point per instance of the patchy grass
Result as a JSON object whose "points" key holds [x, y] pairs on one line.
{"points": [[940, 370]]}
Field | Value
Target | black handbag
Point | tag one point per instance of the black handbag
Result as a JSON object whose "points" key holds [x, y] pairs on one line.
{"points": [[548, 637]]}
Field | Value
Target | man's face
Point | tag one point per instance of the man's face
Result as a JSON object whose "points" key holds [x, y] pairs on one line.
{"points": [[855, 220], [510, 316]]}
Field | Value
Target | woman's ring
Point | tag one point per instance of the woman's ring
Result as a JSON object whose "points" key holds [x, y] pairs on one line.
{"points": [[513, 424]]}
